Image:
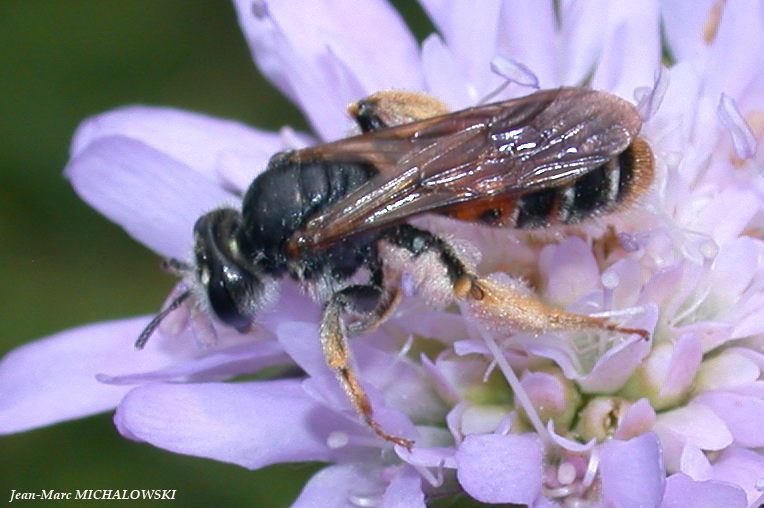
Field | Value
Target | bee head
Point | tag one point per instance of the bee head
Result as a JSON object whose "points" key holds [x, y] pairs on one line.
{"points": [[234, 286], [223, 274]]}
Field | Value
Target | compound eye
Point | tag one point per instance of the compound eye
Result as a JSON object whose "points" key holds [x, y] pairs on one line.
{"points": [[233, 287], [233, 295]]}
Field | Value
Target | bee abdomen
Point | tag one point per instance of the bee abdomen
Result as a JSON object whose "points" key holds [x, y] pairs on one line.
{"points": [[616, 183], [613, 185]]}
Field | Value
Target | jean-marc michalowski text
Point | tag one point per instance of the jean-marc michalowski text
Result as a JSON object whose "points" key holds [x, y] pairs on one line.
{"points": [[94, 494]]}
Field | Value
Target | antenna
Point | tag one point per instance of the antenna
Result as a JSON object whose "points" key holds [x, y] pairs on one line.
{"points": [[149, 330]]}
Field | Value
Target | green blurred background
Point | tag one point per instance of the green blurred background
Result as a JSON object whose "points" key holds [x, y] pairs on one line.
{"points": [[61, 263]]}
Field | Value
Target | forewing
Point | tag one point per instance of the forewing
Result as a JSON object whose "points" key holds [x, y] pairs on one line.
{"points": [[546, 139]]}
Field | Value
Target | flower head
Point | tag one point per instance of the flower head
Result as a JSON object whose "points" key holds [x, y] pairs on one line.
{"points": [[564, 418]]}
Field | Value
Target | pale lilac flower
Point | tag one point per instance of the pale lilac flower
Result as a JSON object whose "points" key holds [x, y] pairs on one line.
{"points": [[573, 419]]}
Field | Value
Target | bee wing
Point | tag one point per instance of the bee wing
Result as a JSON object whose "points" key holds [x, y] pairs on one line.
{"points": [[547, 139]]}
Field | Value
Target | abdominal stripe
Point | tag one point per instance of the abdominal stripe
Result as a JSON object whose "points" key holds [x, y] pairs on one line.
{"points": [[598, 191]]}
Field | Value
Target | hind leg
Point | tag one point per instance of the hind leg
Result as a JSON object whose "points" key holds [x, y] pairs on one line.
{"points": [[501, 304]]}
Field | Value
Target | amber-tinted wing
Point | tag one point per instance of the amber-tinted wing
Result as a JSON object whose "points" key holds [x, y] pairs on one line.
{"points": [[543, 140]]}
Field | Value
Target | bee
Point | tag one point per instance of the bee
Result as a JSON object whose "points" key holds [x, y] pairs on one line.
{"points": [[325, 214]]}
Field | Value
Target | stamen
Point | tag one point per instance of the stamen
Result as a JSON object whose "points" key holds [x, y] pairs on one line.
{"points": [[620, 313], [692, 307], [259, 9], [337, 439], [610, 281], [687, 241], [649, 99], [434, 480], [513, 72], [505, 425], [743, 139], [711, 26], [709, 250], [364, 501], [591, 468], [760, 487], [566, 473], [489, 370], [514, 383], [454, 421], [559, 492], [406, 347], [630, 242]]}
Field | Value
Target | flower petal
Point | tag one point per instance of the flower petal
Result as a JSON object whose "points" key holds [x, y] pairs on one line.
{"points": [[736, 206], [495, 468], [734, 267], [222, 150], [615, 367], [684, 363], [442, 74], [405, 491], [239, 423], [632, 471], [341, 486], [684, 23], [697, 424], [403, 385], [54, 379], [728, 370], [582, 38], [446, 327], [740, 33], [324, 55], [154, 197], [300, 341], [631, 55], [428, 457], [748, 318], [742, 467], [532, 44], [639, 418], [570, 271], [694, 463], [470, 31], [742, 414], [681, 491], [220, 364]]}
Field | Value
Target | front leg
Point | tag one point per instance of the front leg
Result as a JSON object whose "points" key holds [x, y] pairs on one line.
{"points": [[337, 353]]}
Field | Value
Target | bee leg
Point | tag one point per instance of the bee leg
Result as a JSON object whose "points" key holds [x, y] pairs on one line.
{"points": [[418, 241], [337, 353], [501, 305], [386, 300], [394, 107]]}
